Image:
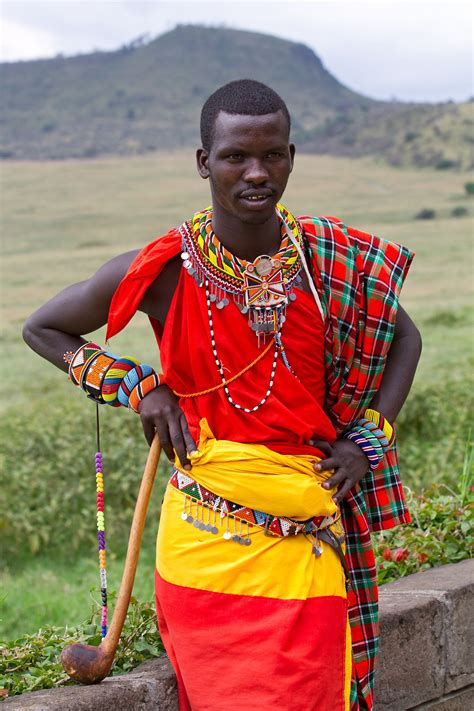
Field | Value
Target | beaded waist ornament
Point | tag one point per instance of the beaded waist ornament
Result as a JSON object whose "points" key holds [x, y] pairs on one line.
{"points": [[209, 512], [198, 500]]}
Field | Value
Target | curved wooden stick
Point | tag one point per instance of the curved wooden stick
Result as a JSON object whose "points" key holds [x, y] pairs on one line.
{"points": [[88, 664]]}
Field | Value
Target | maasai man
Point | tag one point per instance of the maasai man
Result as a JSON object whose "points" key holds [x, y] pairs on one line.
{"points": [[286, 359]]}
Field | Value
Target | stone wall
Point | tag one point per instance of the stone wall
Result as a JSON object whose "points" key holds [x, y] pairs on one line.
{"points": [[426, 659]]}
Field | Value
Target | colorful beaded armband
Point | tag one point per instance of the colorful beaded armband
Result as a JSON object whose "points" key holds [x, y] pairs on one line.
{"points": [[110, 379], [145, 386], [80, 358], [374, 455], [374, 435], [382, 424]]}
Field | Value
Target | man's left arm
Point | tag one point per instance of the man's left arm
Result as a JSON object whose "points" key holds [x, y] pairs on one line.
{"points": [[346, 459]]}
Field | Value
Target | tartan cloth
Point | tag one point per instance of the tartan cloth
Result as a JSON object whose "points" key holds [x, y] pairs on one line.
{"points": [[362, 602], [359, 277]]}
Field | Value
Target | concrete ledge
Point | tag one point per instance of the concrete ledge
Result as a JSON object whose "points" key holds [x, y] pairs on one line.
{"points": [[427, 638], [426, 660], [150, 687]]}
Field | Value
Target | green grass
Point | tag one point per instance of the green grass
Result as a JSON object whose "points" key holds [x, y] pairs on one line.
{"points": [[60, 222], [39, 591]]}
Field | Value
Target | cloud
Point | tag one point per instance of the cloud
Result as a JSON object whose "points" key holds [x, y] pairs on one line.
{"points": [[21, 41], [413, 50]]}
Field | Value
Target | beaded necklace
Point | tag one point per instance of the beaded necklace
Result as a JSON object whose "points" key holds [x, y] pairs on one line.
{"points": [[262, 288]]}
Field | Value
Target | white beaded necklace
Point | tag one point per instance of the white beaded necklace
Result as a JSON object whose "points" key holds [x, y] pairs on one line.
{"points": [[220, 367]]}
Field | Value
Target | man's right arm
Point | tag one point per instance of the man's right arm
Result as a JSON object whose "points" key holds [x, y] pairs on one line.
{"points": [[58, 326]]}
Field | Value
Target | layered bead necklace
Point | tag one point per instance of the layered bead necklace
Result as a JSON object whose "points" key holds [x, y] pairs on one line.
{"points": [[262, 289]]}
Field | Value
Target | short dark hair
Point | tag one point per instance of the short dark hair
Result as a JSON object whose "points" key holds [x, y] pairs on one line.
{"points": [[244, 96]]}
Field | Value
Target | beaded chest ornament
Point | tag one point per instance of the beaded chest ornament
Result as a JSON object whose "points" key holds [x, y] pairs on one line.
{"points": [[262, 288]]}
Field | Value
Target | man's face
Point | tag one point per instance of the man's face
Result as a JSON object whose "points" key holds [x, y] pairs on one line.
{"points": [[248, 164]]}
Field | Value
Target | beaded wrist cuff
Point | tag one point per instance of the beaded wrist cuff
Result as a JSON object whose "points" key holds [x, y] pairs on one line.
{"points": [[382, 424], [80, 359], [374, 435], [110, 379], [145, 386], [366, 446], [93, 374]]}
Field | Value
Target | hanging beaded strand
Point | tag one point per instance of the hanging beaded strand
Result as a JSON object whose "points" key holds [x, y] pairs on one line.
{"points": [[220, 367], [99, 478]]}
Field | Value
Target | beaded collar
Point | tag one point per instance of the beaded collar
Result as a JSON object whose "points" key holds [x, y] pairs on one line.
{"points": [[206, 258], [215, 258]]}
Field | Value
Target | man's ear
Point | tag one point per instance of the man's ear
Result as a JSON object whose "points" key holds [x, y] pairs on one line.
{"points": [[292, 154], [202, 162]]}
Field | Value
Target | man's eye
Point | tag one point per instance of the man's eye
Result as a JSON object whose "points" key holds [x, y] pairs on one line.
{"points": [[274, 154], [235, 156]]}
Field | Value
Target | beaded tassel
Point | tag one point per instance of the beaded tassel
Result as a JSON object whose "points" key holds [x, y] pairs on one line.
{"points": [[99, 478]]}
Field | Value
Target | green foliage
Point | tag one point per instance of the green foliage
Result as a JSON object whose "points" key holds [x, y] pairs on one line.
{"points": [[32, 662], [425, 214], [469, 188], [459, 211], [446, 164], [441, 532], [48, 493], [432, 430]]}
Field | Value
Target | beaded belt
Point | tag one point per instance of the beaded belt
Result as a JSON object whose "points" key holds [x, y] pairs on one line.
{"points": [[205, 510], [280, 526]]}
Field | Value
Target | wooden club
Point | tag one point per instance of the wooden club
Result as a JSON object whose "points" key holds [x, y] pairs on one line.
{"points": [[86, 663]]}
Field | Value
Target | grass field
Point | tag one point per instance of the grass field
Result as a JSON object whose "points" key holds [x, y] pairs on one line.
{"points": [[61, 220]]}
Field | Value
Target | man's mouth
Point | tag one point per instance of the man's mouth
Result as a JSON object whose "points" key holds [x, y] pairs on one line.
{"points": [[256, 198]]}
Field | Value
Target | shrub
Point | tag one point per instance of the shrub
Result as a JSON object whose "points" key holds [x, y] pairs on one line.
{"points": [[432, 430], [441, 531], [459, 211], [48, 475], [469, 188], [32, 662], [446, 164], [425, 214]]}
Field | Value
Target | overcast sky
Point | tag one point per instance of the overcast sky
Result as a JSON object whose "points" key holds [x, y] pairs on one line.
{"points": [[411, 50]]}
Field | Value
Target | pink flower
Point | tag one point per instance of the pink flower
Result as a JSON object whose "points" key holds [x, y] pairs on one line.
{"points": [[401, 554], [387, 554]]}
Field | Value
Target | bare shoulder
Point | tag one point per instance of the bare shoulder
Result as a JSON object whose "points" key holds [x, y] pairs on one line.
{"points": [[115, 269], [157, 299], [104, 282]]}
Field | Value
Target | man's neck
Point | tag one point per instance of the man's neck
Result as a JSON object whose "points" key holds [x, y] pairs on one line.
{"points": [[245, 240]]}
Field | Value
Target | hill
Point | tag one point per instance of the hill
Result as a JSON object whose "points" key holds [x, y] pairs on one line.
{"points": [[147, 97]]}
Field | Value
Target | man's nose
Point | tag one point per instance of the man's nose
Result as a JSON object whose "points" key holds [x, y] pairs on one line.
{"points": [[256, 172]]}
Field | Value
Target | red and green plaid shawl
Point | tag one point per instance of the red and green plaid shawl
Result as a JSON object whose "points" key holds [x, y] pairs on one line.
{"points": [[359, 278]]}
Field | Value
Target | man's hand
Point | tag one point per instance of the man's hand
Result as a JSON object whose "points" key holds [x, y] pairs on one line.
{"points": [[348, 461], [160, 412]]}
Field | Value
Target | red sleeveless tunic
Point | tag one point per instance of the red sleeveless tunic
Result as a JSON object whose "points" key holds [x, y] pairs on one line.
{"points": [[293, 413]]}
